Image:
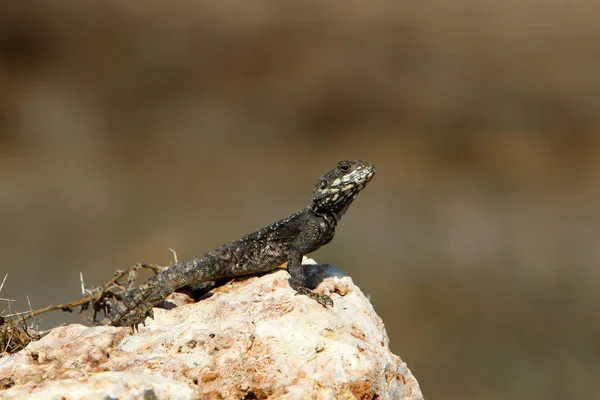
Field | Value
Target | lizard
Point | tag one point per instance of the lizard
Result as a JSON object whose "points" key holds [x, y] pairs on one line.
{"points": [[265, 250]]}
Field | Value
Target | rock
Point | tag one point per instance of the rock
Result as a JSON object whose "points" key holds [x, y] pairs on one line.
{"points": [[249, 339]]}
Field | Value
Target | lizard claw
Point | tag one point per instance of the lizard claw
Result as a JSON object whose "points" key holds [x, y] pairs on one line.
{"points": [[323, 300]]}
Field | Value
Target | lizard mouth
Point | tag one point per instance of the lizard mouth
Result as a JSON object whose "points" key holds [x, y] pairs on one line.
{"points": [[354, 181], [343, 189]]}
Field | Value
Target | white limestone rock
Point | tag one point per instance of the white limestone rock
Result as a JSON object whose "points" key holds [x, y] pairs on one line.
{"points": [[252, 338]]}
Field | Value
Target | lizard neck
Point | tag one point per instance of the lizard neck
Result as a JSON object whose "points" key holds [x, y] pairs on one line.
{"points": [[332, 211], [330, 216]]}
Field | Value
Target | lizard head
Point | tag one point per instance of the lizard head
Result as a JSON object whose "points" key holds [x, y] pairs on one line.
{"points": [[335, 191]]}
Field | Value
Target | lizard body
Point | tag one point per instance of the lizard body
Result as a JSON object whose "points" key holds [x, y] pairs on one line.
{"points": [[262, 251]]}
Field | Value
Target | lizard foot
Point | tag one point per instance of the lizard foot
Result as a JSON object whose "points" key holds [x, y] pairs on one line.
{"points": [[323, 300]]}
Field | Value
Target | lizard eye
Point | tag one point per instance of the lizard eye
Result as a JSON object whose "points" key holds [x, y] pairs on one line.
{"points": [[344, 167]]}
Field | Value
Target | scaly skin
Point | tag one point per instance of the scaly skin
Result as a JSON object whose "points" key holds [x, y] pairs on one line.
{"points": [[262, 251]]}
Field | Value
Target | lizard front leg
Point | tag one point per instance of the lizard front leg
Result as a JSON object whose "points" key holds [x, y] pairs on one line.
{"points": [[299, 280]]}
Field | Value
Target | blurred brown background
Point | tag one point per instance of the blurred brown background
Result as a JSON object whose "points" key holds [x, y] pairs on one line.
{"points": [[128, 128]]}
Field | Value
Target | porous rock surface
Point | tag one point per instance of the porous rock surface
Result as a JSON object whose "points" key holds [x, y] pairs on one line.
{"points": [[252, 339]]}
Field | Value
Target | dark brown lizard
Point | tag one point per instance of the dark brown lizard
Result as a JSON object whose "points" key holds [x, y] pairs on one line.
{"points": [[259, 252]]}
